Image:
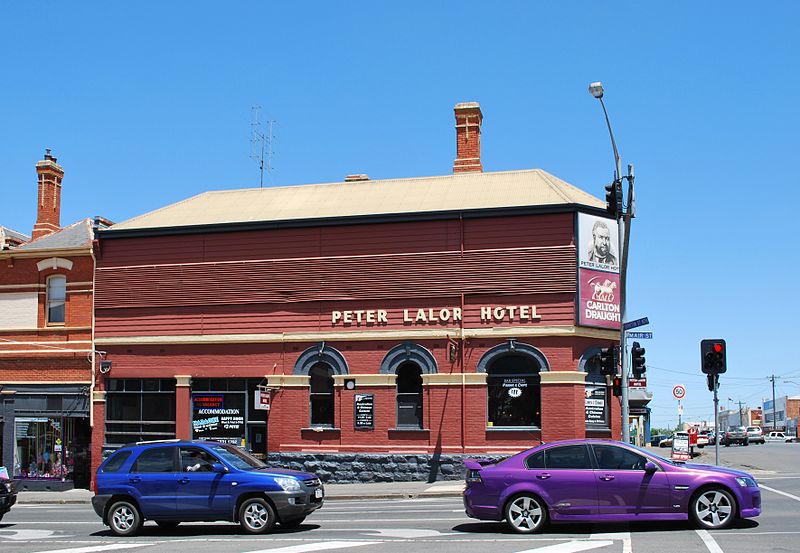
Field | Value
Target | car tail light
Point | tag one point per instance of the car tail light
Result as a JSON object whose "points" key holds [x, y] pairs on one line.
{"points": [[473, 476]]}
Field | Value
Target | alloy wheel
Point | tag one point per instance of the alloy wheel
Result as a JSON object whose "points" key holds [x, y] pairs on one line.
{"points": [[525, 514], [714, 509]]}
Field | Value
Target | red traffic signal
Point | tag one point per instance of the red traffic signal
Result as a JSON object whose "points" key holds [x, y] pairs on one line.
{"points": [[616, 386], [712, 356]]}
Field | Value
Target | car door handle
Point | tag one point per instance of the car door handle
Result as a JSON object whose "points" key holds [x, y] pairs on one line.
{"points": [[543, 476], [607, 477], [135, 480], [183, 480]]}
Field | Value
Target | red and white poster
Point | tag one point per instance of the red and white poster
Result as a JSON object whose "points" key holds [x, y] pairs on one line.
{"points": [[598, 272]]}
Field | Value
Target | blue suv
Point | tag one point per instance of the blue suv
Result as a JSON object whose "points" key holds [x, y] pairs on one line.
{"points": [[176, 481]]}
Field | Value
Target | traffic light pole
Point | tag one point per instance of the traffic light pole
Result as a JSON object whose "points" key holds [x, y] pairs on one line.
{"points": [[624, 239], [623, 352], [716, 421]]}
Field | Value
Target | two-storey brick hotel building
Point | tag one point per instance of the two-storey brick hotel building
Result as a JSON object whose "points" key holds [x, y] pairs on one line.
{"points": [[391, 326]]}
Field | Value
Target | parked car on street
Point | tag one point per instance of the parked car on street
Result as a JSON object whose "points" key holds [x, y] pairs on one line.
{"points": [[702, 439], [776, 437], [176, 481], [666, 442], [755, 435], [8, 495], [601, 481], [735, 435]]}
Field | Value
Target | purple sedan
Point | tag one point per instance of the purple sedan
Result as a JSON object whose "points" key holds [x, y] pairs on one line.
{"points": [[601, 481]]}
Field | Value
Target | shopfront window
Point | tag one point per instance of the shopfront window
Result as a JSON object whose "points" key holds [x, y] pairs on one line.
{"points": [[139, 410], [514, 394], [56, 299], [409, 396], [44, 448], [322, 400]]}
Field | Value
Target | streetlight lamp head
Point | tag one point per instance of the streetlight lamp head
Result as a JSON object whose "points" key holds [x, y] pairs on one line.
{"points": [[596, 89]]}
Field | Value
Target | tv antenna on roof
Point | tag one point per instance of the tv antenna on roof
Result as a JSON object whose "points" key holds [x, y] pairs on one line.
{"points": [[261, 144]]}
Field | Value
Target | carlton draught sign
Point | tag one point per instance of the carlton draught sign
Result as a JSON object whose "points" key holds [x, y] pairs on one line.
{"points": [[598, 272]]}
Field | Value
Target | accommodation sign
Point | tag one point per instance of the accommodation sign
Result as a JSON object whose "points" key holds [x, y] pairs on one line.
{"points": [[435, 315]]}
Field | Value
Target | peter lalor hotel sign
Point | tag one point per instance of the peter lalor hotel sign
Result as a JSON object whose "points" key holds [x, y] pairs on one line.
{"points": [[598, 272], [426, 316]]}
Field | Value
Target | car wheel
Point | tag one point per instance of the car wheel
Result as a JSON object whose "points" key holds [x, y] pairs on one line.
{"points": [[293, 522], [256, 516], [713, 509], [526, 514], [124, 518], [168, 524]]}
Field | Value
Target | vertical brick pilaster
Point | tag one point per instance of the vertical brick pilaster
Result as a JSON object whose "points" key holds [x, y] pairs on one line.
{"points": [[183, 407], [98, 432]]}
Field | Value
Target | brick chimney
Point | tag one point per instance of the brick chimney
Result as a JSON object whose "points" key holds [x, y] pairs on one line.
{"points": [[468, 137], [48, 212]]}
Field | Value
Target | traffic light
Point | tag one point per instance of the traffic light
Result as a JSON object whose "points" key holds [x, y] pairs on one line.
{"points": [[616, 386], [609, 360], [713, 379], [614, 198], [712, 356], [637, 360]]}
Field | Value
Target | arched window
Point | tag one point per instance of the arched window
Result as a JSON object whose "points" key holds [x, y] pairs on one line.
{"points": [[597, 393], [409, 396], [322, 403], [514, 392], [56, 299]]}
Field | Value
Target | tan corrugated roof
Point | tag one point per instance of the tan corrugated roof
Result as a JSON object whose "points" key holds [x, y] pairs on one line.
{"points": [[465, 191]]}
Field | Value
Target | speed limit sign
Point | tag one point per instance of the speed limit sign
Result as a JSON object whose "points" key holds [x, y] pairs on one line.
{"points": [[679, 391]]}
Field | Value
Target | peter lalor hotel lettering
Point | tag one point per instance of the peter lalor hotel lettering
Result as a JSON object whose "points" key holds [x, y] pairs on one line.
{"points": [[512, 313], [454, 304]]}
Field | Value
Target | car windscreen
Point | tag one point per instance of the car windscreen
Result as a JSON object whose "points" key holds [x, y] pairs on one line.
{"points": [[237, 458]]}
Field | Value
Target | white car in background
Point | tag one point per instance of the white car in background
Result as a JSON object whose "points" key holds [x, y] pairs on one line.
{"points": [[775, 437]]}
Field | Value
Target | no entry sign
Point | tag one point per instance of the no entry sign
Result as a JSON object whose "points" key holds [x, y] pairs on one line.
{"points": [[679, 391]]}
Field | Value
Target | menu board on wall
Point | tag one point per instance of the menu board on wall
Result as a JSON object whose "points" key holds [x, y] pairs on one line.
{"points": [[364, 412], [218, 417], [595, 406]]}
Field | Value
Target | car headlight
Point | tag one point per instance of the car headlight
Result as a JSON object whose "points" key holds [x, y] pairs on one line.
{"points": [[746, 482], [7, 486], [288, 484]]}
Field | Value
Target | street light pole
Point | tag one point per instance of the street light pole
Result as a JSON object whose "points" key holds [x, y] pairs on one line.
{"points": [[623, 226]]}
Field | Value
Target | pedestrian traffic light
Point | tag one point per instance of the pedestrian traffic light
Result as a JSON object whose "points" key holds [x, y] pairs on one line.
{"points": [[614, 198], [616, 386], [637, 360], [609, 360], [713, 380], [712, 356]]}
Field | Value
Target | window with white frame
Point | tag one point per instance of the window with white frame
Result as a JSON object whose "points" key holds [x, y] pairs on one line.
{"points": [[56, 299]]}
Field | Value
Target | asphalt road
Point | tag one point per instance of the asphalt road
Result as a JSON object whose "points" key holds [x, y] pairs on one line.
{"points": [[434, 524]]}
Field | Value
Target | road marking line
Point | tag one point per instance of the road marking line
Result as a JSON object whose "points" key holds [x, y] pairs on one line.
{"points": [[91, 549], [625, 537], [713, 547], [569, 547], [315, 547], [773, 490]]}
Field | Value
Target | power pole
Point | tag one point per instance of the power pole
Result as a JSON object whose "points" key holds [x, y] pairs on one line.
{"points": [[774, 420]]}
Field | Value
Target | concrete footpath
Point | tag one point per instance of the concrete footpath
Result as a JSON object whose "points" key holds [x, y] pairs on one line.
{"points": [[383, 490]]}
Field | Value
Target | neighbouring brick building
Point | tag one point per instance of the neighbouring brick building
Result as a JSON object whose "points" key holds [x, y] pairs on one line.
{"points": [[46, 351], [393, 326]]}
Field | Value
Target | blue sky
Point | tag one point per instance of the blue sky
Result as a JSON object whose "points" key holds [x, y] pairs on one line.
{"points": [[145, 104]]}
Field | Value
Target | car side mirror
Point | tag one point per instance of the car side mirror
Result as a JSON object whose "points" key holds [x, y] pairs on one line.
{"points": [[218, 467], [650, 466]]}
